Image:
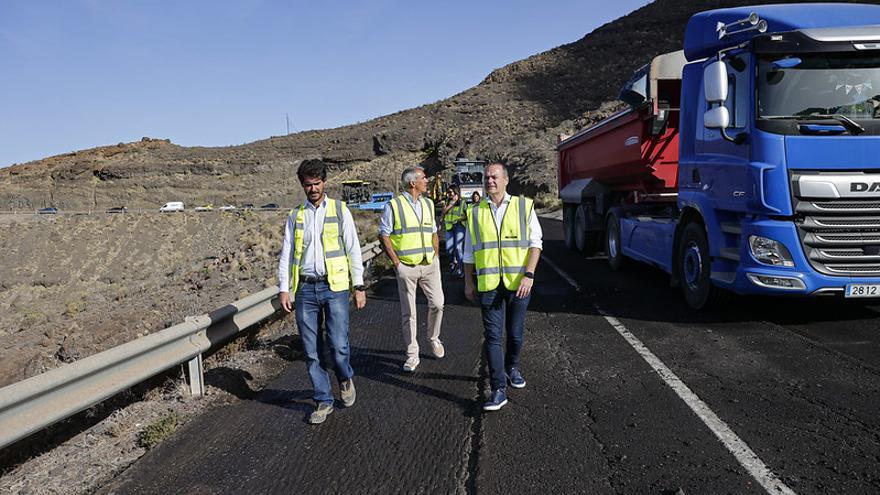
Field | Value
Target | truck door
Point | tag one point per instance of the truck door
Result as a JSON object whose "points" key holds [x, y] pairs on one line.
{"points": [[723, 165]]}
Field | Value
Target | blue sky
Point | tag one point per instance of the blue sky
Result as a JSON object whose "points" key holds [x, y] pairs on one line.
{"points": [[76, 74]]}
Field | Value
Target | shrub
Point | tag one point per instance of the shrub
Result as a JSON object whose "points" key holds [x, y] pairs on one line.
{"points": [[158, 431]]}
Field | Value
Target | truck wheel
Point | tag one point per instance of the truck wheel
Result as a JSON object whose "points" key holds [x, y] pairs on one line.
{"points": [[568, 214], [695, 265], [613, 244]]}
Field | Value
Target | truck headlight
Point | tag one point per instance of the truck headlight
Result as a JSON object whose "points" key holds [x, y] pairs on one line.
{"points": [[770, 252]]}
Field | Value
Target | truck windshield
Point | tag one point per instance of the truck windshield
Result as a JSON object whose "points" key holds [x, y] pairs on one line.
{"points": [[819, 85]]}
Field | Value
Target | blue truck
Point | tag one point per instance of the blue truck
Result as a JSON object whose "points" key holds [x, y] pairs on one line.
{"points": [[748, 162]]}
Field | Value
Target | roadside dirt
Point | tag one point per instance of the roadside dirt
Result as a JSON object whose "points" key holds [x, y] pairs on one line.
{"points": [[71, 286]]}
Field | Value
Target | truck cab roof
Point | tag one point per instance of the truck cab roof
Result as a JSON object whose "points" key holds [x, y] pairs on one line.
{"points": [[701, 39]]}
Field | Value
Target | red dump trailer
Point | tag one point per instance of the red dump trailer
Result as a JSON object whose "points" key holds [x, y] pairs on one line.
{"points": [[628, 158]]}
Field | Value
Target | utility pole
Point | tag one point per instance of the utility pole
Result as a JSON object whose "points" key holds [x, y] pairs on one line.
{"points": [[287, 117]]}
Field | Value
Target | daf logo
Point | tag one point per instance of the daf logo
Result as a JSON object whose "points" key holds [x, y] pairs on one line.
{"points": [[631, 141], [864, 187]]}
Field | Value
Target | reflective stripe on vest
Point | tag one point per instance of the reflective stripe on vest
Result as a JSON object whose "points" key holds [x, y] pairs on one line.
{"points": [[500, 257], [336, 260], [412, 239], [454, 215]]}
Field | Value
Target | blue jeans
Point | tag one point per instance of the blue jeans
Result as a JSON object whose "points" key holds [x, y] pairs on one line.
{"points": [[455, 244], [311, 300], [503, 313]]}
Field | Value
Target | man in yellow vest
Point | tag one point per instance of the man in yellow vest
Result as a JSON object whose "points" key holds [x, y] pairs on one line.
{"points": [[453, 221], [409, 236], [503, 242], [320, 262]]}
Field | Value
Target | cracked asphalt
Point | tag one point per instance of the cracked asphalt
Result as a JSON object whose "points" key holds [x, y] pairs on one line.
{"points": [[796, 380]]}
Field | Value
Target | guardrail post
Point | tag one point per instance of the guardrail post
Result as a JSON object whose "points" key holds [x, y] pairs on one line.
{"points": [[196, 376]]}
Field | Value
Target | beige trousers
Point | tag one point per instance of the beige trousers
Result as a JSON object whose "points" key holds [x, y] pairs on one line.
{"points": [[428, 278]]}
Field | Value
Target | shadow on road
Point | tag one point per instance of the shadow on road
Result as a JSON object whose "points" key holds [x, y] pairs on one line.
{"points": [[384, 367], [642, 292]]}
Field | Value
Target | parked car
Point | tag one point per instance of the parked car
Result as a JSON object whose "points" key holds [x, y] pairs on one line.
{"points": [[172, 206], [269, 206], [247, 206], [47, 211], [117, 209], [227, 208], [205, 208]]}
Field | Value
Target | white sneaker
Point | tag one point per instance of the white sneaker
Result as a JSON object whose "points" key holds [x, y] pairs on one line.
{"points": [[437, 349], [411, 364]]}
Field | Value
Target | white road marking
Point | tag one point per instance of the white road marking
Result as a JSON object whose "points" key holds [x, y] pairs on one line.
{"points": [[735, 445], [562, 274]]}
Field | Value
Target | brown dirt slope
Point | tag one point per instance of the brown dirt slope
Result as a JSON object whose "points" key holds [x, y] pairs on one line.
{"points": [[83, 284], [513, 115]]}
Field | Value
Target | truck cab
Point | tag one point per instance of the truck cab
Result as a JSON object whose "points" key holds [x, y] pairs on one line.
{"points": [[777, 176]]}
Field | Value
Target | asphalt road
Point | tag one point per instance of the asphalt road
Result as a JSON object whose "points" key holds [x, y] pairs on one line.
{"points": [[795, 381]]}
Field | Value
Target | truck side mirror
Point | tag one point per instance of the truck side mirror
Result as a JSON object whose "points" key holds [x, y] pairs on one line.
{"points": [[715, 82], [717, 118]]}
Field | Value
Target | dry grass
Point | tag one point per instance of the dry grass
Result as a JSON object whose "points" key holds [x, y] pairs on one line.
{"points": [[548, 201], [158, 430]]}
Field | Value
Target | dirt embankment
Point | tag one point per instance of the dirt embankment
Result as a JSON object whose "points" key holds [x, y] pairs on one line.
{"points": [[71, 286], [74, 285]]}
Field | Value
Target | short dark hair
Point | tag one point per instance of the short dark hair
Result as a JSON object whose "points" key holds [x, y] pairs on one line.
{"points": [[315, 169]]}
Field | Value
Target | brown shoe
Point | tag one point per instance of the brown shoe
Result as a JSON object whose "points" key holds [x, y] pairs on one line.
{"points": [[437, 349], [347, 392], [411, 364], [320, 413]]}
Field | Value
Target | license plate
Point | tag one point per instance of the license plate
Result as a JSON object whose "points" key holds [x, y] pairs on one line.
{"points": [[862, 290]]}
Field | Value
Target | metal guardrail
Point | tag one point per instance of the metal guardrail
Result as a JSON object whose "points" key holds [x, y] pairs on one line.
{"points": [[35, 403]]}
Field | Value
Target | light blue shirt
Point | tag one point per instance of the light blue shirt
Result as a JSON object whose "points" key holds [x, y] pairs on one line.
{"points": [[312, 263], [386, 222]]}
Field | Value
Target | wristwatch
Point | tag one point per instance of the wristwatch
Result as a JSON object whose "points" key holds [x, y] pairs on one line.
{"points": [[529, 275], [360, 288]]}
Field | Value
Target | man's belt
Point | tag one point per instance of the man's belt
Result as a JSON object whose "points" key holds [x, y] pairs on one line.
{"points": [[312, 280]]}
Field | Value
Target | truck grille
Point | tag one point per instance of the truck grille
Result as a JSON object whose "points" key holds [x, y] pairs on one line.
{"points": [[840, 237]]}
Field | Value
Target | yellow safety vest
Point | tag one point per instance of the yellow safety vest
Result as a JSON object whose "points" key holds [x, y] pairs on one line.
{"points": [[454, 215], [500, 256], [411, 238], [335, 258]]}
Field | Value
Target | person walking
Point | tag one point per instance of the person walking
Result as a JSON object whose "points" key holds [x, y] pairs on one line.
{"points": [[502, 246], [320, 262], [453, 223], [408, 235]]}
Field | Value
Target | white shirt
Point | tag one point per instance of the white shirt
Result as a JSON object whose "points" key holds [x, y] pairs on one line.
{"points": [[386, 222], [535, 232], [312, 262]]}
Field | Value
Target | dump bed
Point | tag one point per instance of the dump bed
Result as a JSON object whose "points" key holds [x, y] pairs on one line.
{"points": [[637, 149]]}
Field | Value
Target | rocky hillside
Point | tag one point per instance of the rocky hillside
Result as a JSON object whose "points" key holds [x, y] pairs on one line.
{"points": [[514, 115]]}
